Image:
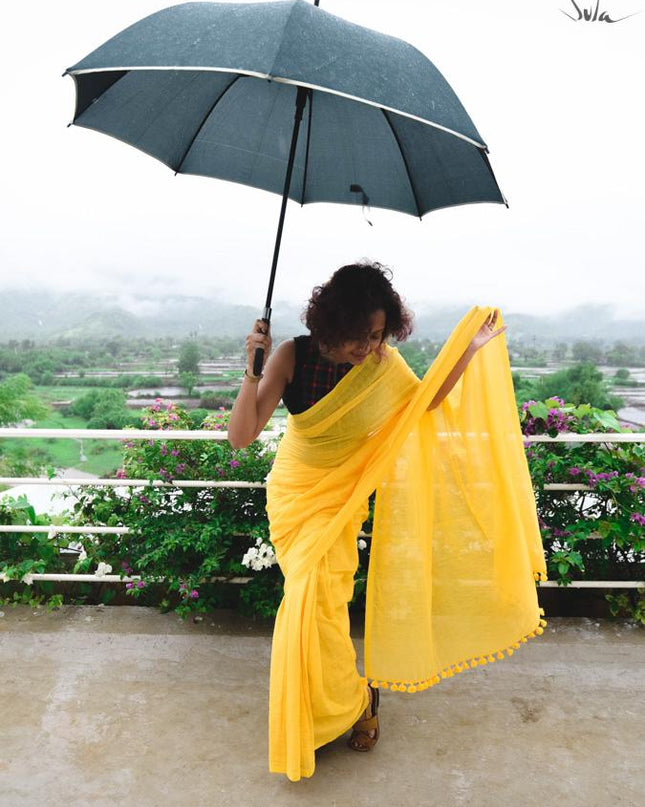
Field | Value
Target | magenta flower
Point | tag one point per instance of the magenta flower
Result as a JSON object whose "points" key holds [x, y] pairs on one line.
{"points": [[194, 594], [174, 452], [574, 471], [140, 584], [638, 518], [129, 585], [235, 463], [120, 474]]}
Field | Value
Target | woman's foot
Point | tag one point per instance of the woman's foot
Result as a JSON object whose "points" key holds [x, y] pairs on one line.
{"points": [[366, 729]]}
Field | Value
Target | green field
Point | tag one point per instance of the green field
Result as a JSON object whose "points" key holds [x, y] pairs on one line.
{"points": [[102, 456]]}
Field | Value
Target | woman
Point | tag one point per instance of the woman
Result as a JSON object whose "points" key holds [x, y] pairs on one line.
{"points": [[360, 420]]}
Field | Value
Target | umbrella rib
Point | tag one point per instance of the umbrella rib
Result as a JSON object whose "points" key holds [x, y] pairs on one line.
{"points": [[484, 157], [304, 178], [201, 125], [405, 163]]}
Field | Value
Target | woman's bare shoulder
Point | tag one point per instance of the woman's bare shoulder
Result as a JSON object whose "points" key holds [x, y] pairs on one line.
{"points": [[284, 359]]}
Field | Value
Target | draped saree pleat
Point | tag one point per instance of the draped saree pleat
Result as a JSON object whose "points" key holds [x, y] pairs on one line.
{"points": [[455, 548]]}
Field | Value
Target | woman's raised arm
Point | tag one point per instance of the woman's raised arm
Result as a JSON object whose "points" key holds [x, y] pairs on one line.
{"points": [[483, 335], [258, 398]]}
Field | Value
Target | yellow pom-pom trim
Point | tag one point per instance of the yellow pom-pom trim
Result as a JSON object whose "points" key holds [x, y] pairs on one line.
{"points": [[463, 664]]}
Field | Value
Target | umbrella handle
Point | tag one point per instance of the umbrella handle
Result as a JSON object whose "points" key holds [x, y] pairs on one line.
{"points": [[258, 361], [258, 358]]}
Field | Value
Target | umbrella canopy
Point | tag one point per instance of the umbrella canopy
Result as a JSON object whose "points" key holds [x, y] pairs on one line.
{"points": [[210, 89]]}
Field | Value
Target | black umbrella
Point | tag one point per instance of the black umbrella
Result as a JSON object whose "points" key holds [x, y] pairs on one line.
{"points": [[224, 90]]}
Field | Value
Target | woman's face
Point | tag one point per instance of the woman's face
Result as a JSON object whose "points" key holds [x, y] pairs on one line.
{"points": [[356, 351]]}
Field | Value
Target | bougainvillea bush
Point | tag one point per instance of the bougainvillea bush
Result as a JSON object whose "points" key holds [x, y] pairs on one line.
{"points": [[597, 533], [181, 539]]}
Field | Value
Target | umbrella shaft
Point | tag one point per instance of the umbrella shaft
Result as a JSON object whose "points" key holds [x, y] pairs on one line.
{"points": [[301, 99]]}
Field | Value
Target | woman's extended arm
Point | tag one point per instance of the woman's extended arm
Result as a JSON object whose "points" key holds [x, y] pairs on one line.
{"points": [[483, 335], [257, 400]]}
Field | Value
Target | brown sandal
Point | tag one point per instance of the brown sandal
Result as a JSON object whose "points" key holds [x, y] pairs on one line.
{"points": [[360, 739]]}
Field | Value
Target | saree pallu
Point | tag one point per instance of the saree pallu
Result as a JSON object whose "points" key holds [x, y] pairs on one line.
{"points": [[455, 549]]}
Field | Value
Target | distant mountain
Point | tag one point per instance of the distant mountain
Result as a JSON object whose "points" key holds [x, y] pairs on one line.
{"points": [[47, 315]]}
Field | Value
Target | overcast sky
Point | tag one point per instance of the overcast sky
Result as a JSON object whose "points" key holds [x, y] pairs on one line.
{"points": [[558, 102]]}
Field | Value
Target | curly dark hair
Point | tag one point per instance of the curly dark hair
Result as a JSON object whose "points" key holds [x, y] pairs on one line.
{"points": [[340, 309]]}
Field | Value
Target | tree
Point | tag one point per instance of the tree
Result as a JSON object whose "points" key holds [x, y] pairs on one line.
{"points": [[622, 355], [187, 382], [560, 351], [18, 400], [103, 409], [587, 352], [582, 383], [189, 358]]}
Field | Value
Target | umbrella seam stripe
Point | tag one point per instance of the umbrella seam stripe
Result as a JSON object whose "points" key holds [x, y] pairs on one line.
{"points": [[281, 80], [382, 106]]}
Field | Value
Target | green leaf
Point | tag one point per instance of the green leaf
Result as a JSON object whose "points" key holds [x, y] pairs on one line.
{"points": [[606, 419], [539, 410]]}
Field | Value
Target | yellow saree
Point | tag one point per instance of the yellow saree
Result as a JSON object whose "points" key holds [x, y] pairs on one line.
{"points": [[455, 549]]}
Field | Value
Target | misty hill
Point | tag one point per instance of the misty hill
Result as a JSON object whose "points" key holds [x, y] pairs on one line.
{"points": [[46, 315]]}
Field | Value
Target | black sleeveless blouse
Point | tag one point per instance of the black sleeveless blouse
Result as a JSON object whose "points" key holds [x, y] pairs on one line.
{"points": [[313, 376]]}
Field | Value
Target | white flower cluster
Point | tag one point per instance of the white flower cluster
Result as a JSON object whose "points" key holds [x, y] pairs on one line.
{"points": [[361, 543], [102, 569], [258, 557]]}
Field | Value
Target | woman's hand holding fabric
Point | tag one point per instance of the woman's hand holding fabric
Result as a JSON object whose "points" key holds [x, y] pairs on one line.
{"points": [[486, 332]]}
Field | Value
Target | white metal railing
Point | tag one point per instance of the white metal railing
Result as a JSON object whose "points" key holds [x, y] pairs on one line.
{"points": [[180, 434]]}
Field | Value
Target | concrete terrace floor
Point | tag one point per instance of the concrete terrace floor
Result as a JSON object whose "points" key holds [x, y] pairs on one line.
{"points": [[123, 705]]}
